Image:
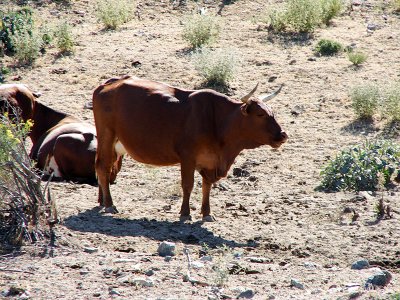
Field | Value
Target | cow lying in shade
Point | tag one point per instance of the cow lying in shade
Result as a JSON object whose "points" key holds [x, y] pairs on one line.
{"points": [[62, 144], [162, 125]]}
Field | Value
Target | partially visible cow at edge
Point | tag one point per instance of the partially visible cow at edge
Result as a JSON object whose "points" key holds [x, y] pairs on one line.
{"points": [[162, 125], [62, 144]]}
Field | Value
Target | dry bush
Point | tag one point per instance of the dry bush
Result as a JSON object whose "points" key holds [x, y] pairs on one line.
{"points": [[365, 100], [115, 13], [200, 30], [27, 211]]}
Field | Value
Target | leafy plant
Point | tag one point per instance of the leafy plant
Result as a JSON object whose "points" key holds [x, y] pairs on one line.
{"points": [[391, 102], [25, 207], [12, 23], [27, 46], [365, 100], [65, 39], [330, 9], [359, 167], [328, 47], [357, 57], [217, 67], [200, 30], [115, 13]]}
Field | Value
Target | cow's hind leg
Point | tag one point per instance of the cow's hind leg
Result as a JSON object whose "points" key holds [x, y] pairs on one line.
{"points": [[105, 159], [187, 177]]}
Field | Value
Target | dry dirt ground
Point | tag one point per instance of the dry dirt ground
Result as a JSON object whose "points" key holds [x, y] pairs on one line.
{"points": [[274, 214]]}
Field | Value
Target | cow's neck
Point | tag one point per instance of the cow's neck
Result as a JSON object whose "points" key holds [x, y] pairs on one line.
{"points": [[44, 118]]}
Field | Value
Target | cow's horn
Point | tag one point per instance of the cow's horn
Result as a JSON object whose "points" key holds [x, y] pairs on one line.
{"points": [[247, 97], [270, 96]]}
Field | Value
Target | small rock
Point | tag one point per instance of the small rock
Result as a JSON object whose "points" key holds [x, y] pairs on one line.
{"points": [[317, 291], [84, 272], [372, 27], [114, 292], [206, 258], [142, 282], [297, 110], [167, 258], [360, 264], [166, 249], [354, 295], [90, 250], [292, 62], [260, 260], [149, 272], [120, 261], [96, 294], [272, 78], [247, 294], [381, 278], [197, 265], [297, 284], [310, 265], [239, 172], [312, 59]]}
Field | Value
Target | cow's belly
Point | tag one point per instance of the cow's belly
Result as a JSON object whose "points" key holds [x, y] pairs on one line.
{"points": [[152, 154]]}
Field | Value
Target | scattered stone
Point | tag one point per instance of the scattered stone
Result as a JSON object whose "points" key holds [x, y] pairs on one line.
{"points": [[239, 172], [90, 249], [122, 260], [206, 258], [247, 294], [296, 283], [166, 249], [317, 291], [372, 27], [297, 110], [354, 295], [59, 71], [260, 260], [310, 265], [197, 265], [96, 294], [292, 62], [381, 278], [272, 78], [149, 272], [84, 272], [312, 59], [167, 258], [114, 292], [139, 281], [360, 264]]}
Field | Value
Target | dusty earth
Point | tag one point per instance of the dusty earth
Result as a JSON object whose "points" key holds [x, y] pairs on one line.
{"points": [[273, 213]]}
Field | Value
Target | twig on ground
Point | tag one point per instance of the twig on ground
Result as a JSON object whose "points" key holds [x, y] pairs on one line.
{"points": [[188, 277], [16, 271]]}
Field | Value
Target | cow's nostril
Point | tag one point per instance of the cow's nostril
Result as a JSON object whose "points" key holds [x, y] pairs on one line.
{"points": [[284, 136]]}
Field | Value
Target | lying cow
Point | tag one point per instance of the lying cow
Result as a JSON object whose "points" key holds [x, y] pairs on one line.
{"points": [[161, 125], [62, 144]]}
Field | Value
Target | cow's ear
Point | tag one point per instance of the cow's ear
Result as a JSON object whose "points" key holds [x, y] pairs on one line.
{"points": [[245, 109]]}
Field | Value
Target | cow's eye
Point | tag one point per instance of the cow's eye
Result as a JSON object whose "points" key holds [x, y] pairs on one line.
{"points": [[260, 115]]}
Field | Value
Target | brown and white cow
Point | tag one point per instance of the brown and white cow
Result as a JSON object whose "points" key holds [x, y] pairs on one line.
{"points": [[62, 144], [162, 125]]}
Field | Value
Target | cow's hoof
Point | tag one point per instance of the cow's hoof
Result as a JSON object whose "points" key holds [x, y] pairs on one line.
{"points": [[209, 218], [185, 218], [110, 210]]}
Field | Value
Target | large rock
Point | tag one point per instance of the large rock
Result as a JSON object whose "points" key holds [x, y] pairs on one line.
{"points": [[360, 264], [166, 249], [380, 278]]}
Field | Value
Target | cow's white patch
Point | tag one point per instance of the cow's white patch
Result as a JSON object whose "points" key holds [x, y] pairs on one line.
{"points": [[52, 167], [120, 149]]}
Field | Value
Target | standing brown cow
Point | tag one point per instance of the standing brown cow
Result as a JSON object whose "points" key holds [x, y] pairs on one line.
{"points": [[162, 125]]}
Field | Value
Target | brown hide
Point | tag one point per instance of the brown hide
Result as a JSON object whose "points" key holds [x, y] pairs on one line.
{"points": [[17, 96], [161, 125], [62, 144]]}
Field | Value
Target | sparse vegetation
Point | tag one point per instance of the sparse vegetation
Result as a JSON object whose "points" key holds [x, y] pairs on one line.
{"points": [[396, 7], [391, 102], [365, 100], [217, 67], [27, 46], [25, 208], [359, 168], [357, 57], [304, 16], [328, 47], [200, 30], [115, 13], [65, 39]]}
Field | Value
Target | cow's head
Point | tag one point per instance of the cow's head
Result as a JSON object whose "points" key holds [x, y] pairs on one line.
{"points": [[261, 125], [17, 99]]}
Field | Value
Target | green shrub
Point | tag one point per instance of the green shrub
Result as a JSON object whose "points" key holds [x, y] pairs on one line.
{"points": [[391, 102], [27, 46], [65, 39], [217, 67], [277, 20], [115, 13], [360, 167], [200, 30], [365, 100], [328, 47], [330, 9], [357, 57], [14, 22]]}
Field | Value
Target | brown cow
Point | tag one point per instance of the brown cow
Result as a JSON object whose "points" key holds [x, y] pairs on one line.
{"points": [[161, 125], [62, 144]]}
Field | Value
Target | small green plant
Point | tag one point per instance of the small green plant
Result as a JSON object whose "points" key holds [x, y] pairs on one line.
{"points": [[365, 100], [357, 57], [12, 23], [65, 39], [391, 102], [328, 47], [27, 47], [303, 15], [330, 9], [217, 67], [359, 168], [200, 30], [3, 71], [115, 13], [222, 259]]}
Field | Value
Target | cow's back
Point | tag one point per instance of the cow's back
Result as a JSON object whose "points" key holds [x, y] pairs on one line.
{"points": [[149, 118]]}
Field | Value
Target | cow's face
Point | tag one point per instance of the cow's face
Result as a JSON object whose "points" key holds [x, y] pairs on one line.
{"points": [[261, 124]]}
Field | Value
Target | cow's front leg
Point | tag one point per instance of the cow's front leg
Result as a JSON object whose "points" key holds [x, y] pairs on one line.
{"points": [[205, 205], [187, 179]]}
